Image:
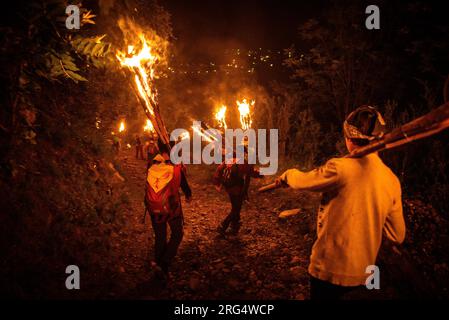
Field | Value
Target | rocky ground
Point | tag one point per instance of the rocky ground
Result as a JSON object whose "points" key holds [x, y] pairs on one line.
{"points": [[267, 260]]}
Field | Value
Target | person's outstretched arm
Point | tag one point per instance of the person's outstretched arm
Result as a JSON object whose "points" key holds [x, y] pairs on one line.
{"points": [[319, 179]]}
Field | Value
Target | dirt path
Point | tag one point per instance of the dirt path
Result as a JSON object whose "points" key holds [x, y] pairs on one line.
{"points": [[267, 260]]}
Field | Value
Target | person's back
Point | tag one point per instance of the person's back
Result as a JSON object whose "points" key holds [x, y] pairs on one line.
{"points": [[139, 148], [235, 177], [163, 202], [232, 176], [361, 200], [365, 198]]}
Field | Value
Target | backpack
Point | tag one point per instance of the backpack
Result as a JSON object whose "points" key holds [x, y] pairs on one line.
{"points": [[230, 176], [165, 204]]}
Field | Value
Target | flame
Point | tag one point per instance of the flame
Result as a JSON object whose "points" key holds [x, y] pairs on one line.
{"points": [[121, 127], [143, 52], [185, 136], [208, 137], [148, 127], [245, 113], [142, 65], [220, 116]]}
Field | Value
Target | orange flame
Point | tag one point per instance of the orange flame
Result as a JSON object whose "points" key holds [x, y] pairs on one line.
{"points": [[245, 113], [185, 136], [142, 65], [144, 51], [220, 116], [121, 127], [148, 127], [204, 134]]}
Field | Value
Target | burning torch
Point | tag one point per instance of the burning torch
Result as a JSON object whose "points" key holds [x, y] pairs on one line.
{"points": [[140, 59], [245, 113]]}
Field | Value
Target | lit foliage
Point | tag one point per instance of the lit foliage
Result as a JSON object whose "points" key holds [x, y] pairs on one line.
{"points": [[64, 55], [96, 51]]}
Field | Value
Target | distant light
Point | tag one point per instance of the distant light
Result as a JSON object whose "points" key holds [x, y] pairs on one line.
{"points": [[122, 126]]}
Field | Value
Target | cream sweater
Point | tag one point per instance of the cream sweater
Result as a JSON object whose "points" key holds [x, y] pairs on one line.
{"points": [[361, 199]]}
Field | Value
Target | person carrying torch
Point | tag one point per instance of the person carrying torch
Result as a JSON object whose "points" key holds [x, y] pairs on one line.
{"points": [[163, 203], [361, 200], [235, 177]]}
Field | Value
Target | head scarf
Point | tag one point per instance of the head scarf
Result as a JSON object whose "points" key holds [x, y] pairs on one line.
{"points": [[352, 132]]}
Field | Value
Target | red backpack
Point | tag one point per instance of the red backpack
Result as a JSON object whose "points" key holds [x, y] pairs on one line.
{"points": [[166, 203]]}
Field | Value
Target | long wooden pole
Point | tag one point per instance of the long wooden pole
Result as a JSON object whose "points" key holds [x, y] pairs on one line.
{"points": [[154, 116], [428, 125]]}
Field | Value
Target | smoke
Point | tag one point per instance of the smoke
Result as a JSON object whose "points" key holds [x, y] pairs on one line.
{"points": [[189, 93]]}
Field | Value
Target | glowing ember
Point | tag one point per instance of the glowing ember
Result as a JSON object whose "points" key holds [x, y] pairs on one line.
{"points": [[220, 116], [245, 113], [121, 127], [148, 127]]}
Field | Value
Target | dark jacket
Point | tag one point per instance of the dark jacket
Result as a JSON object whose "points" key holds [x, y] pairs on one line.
{"points": [[242, 180]]}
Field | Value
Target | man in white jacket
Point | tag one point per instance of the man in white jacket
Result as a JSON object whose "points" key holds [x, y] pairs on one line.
{"points": [[361, 200]]}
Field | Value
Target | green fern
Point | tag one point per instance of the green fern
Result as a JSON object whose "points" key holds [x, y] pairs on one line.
{"points": [[96, 51], [61, 65]]}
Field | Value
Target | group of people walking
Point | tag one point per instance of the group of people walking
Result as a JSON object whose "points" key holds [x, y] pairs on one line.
{"points": [[361, 201]]}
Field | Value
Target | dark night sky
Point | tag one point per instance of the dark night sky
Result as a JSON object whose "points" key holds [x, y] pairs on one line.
{"points": [[204, 28]]}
